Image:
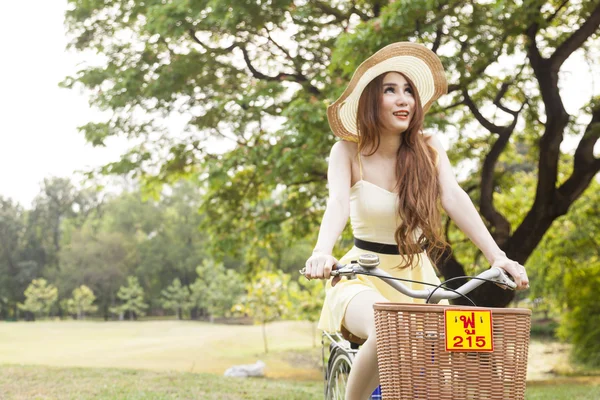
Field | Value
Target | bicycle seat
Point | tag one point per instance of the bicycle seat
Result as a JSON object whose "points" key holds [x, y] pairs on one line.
{"points": [[346, 334]]}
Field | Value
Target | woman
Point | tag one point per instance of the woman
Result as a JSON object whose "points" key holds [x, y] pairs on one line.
{"points": [[388, 177]]}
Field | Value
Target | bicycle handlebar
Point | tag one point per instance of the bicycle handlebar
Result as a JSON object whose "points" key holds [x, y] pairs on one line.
{"points": [[367, 265]]}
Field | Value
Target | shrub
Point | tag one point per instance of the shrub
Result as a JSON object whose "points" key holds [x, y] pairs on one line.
{"points": [[581, 323]]}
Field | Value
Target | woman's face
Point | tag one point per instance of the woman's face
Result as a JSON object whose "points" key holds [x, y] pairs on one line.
{"points": [[397, 105]]}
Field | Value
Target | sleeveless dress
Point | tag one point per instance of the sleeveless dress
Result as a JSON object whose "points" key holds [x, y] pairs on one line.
{"points": [[373, 218]]}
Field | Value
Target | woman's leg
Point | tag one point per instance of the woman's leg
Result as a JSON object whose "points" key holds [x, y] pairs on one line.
{"points": [[360, 321]]}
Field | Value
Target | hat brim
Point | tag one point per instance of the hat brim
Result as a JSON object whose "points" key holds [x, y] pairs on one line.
{"points": [[418, 63]]}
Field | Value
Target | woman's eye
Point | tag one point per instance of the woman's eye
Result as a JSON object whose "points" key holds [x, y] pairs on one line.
{"points": [[409, 90], [389, 90]]}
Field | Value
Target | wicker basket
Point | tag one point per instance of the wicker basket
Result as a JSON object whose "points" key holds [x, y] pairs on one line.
{"points": [[414, 364]]}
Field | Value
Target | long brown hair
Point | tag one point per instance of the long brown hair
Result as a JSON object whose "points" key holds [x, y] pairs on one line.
{"points": [[418, 183]]}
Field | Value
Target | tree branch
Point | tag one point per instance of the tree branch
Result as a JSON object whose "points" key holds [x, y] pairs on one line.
{"points": [[486, 202], [327, 9], [556, 121], [283, 50], [501, 225], [212, 49], [576, 40], [503, 89], [454, 105], [493, 128], [533, 52], [476, 74], [282, 76], [551, 18], [585, 166], [438, 38]]}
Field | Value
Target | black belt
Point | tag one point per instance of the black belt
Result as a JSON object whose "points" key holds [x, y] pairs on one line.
{"points": [[380, 248]]}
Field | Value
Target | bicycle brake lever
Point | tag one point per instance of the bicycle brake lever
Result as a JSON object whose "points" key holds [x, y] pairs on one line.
{"points": [[505, 280], [343, 270]]}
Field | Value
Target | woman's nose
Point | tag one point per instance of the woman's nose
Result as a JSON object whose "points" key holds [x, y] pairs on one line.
{"points": [[401, 99]]}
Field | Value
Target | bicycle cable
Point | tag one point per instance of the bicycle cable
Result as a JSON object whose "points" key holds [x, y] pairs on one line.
{"points": [[441, 285]]}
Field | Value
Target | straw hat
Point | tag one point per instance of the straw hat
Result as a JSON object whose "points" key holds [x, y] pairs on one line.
{"points": [[421, 65]]}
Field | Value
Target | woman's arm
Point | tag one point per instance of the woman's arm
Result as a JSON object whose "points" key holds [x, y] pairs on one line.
{"points": [[460, 208], [339, 176]]}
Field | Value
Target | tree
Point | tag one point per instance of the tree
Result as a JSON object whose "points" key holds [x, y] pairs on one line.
{"points": [[11, 237], [259, 77], [581, 323], [132, 297], [566, 273], [217, 289], [173, 245], [267, 299], [39, 297], [307, 301], [82, 302], [99, 260], [177, 298], [57, 201]]}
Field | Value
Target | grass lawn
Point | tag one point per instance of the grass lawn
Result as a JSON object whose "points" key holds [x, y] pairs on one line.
{"points": [[565, 389], [186, 360], [38, 382], [162, 345]]}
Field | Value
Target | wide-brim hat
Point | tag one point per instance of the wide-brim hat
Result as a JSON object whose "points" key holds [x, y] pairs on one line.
{"points": [[421, 65]]}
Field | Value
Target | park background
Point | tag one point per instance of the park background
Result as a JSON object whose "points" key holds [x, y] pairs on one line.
{"points": [[173, 184]]}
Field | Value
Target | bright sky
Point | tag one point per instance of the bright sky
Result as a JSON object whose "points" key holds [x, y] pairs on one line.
{"points": [[38, 120]]}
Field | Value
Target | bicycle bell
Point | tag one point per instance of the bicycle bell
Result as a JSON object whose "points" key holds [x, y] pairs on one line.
{"points": [[368, 260]]}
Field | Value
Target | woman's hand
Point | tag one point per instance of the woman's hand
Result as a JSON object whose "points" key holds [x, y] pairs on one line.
{"points": [[514, 269], [319, 266]]}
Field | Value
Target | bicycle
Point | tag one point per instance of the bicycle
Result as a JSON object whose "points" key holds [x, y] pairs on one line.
{"points": [[420, 358]]}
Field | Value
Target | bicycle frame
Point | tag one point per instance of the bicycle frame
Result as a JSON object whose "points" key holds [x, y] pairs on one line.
{"points": [[367, 265]]}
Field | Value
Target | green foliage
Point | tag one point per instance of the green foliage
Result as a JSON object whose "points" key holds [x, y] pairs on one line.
{"points": [[307, 298], [307, 301], [546, 329], [565, 274], [132, 297], [177, 298], [82, 302], [101, 260], [267, 299], [217, 289], [254, 80], [12, 231], [39, 297], [581, 321]]}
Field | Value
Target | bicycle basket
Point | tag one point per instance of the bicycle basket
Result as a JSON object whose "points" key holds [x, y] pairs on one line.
{"points": [[414, 364]]}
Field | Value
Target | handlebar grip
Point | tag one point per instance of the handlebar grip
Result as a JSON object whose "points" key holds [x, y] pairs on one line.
{"points": [[335, 267]]}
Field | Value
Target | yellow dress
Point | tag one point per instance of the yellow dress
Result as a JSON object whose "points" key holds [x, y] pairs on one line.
{"points": [[373, 217]]}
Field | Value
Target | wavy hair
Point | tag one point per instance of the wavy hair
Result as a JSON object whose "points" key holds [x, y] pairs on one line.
{"points": [[418, 182]]}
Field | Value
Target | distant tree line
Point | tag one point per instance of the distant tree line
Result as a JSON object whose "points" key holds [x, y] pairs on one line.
{"points": [[76, 254]]}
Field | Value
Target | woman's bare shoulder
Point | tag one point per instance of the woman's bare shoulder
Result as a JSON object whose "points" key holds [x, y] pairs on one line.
{"points": [[433, 141], [344, 148]]}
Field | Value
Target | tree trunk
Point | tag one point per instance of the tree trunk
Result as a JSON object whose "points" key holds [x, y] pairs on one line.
{"points": [[264, 331]]}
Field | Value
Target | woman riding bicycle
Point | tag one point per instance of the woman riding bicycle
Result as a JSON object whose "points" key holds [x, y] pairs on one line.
{"points": [[388, 176]]}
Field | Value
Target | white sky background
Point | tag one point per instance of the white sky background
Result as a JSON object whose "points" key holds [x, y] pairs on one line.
{"points": [[38, 120]]}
